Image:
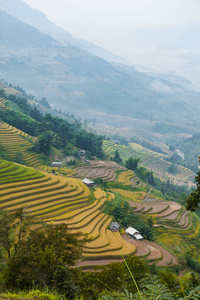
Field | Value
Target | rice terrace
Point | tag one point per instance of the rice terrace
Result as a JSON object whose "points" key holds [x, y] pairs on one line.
{"points": [[53, 198]]}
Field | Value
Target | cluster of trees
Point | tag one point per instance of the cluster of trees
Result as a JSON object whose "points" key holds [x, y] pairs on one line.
{"points": [[37, 257], [141, 172], [193, 201], [51, 131], [120, 210]]}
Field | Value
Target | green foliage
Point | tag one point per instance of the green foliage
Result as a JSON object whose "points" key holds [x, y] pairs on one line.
{"points": [[64, 283], [172, 169], [132, 163], [120, 210], [58, 131], [143, 173], [193, 201], [33, 295], [100, 182], [193, 263], [40, 258], [117, 158], [117, 208], [149, 288], [13, 229], [45, 103], [44, 143]]}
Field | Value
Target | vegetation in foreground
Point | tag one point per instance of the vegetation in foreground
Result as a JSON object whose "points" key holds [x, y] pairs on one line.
{"points": [[39, 261]]}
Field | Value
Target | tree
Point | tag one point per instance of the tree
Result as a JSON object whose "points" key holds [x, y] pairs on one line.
{"points": [[13, 229], [193, 201], [132, 163], [44, 143], [117, 158], [172, 169], [37, 257], [151, 180]]}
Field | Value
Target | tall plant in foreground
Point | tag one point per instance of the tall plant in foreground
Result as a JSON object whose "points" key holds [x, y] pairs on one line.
{"points": [[149, 288]]}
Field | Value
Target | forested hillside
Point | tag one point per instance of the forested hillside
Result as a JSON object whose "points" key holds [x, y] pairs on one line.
{"points": [[51, 131]]}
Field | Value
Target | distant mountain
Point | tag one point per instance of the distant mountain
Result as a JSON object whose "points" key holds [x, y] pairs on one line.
{"points": [[188, 38], [37, 19], [17, 35], [171, 49], [178, 37], [74, 80]]}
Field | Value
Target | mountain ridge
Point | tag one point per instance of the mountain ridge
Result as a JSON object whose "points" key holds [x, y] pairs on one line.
{"points": [[83, 81]]}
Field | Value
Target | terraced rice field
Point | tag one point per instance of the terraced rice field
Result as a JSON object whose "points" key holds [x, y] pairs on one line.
{"points": [[3, 104], [128, 178], [16, 144], [151, 161], [167, 213], [102, 169], [59, 199], [9, 90], [63, 171]]}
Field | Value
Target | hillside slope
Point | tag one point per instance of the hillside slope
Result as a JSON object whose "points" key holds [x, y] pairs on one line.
{"points": [[74, 80]]}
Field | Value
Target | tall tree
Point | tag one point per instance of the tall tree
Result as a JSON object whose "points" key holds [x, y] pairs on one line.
{"points": [[193, 201], [117, 158], [37, 257], [132, 163]]}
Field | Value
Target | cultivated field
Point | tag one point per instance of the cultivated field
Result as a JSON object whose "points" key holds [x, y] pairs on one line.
{"points": [[98, 169], [16, 144], [59, 199], [150, 160]]}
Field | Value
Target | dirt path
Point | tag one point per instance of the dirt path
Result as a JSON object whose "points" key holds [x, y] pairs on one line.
{"points": [[168, 258], [144, 247]]}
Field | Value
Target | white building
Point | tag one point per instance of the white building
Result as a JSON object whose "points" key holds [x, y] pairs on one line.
{"points": [[56, 164], [88, 182], [134, 233]]}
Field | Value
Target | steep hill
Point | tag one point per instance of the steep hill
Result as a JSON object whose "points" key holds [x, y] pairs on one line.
{"points": [[37, 19], [74, 80]]}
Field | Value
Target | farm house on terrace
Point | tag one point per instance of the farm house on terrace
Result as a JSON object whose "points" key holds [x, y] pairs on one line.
{"points": [[56, 164], [133, 233], [114, 226], [88, 182]]}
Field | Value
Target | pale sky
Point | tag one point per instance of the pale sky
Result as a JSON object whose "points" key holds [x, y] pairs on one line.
{"points": [[107, 22], [99, 20]]}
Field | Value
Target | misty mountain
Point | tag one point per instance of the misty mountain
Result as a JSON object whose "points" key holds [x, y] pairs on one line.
{"points": [[177, 37], [188, 38], [37, 19], [171, 49], [74, 80], [14, 35]]}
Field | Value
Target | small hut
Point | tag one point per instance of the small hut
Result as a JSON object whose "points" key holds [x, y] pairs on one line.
{"points": [[133, 233], [114, 226], [56, 164], [88, 182]]}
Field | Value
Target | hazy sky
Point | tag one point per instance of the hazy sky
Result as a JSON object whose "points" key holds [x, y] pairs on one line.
{"points": [[106, 22], [99, 20]]}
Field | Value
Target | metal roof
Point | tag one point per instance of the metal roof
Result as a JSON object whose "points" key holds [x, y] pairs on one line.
{"points": [[87, 181]]}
